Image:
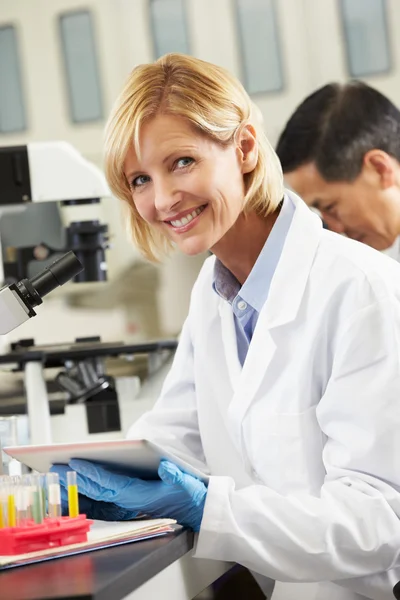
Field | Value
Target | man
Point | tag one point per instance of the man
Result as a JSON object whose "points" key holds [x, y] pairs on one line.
{"points": [[340, 151]]}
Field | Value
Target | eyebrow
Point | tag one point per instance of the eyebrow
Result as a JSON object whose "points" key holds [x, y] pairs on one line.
{"points": [[179, 151], [130, 176], [167, 158]]}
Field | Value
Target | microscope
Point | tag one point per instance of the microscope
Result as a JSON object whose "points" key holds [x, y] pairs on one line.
{"points": [[50, 172], [54, 172], [18, 300]]}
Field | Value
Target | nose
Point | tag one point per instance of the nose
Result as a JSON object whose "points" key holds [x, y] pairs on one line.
{"points": [[333, 224], [166, 197]]}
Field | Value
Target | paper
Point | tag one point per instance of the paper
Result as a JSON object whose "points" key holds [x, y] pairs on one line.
{"points": [[102, 533], [109, 530]]}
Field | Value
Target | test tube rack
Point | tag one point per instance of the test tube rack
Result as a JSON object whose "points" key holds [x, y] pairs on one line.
{"points": [[51, 533], [30, 514]]}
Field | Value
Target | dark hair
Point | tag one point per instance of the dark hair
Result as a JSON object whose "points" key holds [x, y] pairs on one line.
{"points": [[336, 126]]}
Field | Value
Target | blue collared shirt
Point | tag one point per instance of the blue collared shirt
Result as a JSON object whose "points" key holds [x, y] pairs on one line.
{"points": [[247, 300]]}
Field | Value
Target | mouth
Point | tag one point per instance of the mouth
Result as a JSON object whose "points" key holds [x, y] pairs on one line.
{"points": [[187, 221]]}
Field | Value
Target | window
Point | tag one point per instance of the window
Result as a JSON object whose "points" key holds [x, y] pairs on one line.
{"points": [[80, 61], [366, 36], [260, 45], [168, 22], [12, 111]]}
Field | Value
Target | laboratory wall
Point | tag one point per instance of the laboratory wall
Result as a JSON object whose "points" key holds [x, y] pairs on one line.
{"points": [[71, 58]]}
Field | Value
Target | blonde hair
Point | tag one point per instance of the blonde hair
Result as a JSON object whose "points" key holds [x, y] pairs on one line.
{"points": [[215, 103]]}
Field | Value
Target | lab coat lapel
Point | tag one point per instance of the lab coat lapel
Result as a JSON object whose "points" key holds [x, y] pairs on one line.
{"points": [[281, 307], [230, 343]]}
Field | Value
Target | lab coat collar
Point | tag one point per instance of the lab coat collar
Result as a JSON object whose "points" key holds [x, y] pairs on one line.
{"points": [[255, 289], [292, 272], [281, 307]]}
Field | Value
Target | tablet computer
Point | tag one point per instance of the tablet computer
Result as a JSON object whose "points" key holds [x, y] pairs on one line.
{"points": [[139, 458]]}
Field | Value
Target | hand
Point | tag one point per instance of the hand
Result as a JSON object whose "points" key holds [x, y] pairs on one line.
{"points": [[177, 496], [102, 511]]}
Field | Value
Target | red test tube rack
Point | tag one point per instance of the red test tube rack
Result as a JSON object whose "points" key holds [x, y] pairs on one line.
{"points": [[51, 533]]}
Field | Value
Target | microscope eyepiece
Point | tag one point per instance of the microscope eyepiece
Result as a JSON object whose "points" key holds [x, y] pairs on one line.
{"points": [[54, 275], [58, 273]]}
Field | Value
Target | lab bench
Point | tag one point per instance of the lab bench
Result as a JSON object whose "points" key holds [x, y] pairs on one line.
{"points": [[159, 568]]}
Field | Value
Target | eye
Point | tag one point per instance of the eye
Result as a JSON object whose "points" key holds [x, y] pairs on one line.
{"points": [[139, 181], [183, 162], [329, 207]]}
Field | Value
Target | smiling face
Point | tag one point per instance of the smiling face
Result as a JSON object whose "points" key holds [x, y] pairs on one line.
{"points": [[366, 209], [185, 184]]}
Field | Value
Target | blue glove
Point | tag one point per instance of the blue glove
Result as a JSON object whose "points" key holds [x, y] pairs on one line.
{"points": [[177, 496], [103, 511]]}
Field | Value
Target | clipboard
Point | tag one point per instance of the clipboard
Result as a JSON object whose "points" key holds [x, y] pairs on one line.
{"points": [[140, 458]]}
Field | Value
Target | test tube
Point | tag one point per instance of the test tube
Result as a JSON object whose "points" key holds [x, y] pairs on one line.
{"points": [[21, 497], [10, 495], [36, 498], [73, 502], [53, 495], [42, 480], [3, 514]]}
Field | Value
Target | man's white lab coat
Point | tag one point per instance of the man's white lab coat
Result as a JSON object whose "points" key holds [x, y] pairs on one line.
{"points": [[303, 442], [394, 251]]}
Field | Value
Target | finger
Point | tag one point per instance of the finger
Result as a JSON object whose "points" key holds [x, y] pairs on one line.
{"points": [[99, 475], [169, 473], [87, 487], [172, 475], [102, 511], [114, 482]]}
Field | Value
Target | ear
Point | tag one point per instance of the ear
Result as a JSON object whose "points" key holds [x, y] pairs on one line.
{"points": [[380, 166], [247, 147]]}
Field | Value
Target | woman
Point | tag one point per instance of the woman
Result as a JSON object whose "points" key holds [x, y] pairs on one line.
{"points": [[286, 383]]}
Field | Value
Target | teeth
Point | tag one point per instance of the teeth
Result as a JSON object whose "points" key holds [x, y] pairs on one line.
{"points": [[185, 220]]}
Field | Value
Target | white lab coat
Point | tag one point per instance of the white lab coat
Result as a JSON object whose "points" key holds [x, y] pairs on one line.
{"points": [[394, 250], [303, 442]]}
